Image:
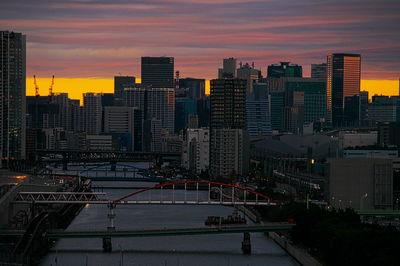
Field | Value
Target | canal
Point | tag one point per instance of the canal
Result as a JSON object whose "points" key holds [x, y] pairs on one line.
{"points": [[224, 249]]}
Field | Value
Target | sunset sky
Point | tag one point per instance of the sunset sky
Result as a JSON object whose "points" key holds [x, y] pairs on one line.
{"points": [[84, 43]]}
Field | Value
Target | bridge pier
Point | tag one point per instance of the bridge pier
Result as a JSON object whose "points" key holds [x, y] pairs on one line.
{"points": [[111, 216], [113, 166], [246, 243]]}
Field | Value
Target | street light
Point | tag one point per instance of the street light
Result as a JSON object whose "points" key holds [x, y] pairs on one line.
{"points": [[363, 197]]}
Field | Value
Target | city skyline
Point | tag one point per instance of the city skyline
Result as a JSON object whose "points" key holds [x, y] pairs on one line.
{"points": [[98, 39]]}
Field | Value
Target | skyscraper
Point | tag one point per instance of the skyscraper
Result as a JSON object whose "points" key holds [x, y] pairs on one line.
{"points": [[92, 110], [228, 69], [343, 88], [228, 135], [158, 72], [157, 106], [12, 95], [250, 74], [121, 82], [285, 69]]}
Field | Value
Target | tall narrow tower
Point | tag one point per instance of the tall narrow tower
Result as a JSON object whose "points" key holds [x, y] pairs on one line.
{"points": [[343, 88], [12, 96]]}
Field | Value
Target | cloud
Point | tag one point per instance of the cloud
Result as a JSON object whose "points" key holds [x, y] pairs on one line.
{"points": [[78, 38]]}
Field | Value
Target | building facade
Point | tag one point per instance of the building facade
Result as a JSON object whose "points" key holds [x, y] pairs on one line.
{"points": [[92, 111], [12, 100], [158, 72], [228, 135], [343, 88]]}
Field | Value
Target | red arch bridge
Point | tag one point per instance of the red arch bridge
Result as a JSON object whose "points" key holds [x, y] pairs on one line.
{"points": [[174, 193]]}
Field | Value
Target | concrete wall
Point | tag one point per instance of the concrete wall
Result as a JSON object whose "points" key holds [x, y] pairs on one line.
{"points": [[298, 254], [356, 183]]}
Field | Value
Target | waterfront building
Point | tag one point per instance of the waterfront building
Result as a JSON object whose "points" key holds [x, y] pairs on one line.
{"points": [[284, 69], [158, 72], [343, 88], [228, 135], [12, 95]]}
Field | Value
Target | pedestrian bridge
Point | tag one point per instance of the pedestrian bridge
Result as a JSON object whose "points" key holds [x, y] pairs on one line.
{"points": [[267, 227]]}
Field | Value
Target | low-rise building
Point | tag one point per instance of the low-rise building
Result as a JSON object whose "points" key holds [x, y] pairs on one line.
{"points": [[360, 183]]}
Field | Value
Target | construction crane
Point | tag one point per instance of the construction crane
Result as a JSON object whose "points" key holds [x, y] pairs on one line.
{"points": [[51, 94], [36, 86]]}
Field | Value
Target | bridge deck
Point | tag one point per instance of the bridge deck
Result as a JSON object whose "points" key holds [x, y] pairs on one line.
{"points": [[276, 227]]}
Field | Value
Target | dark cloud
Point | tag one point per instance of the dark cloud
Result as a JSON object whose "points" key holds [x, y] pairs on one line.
{"points": [[102, 37]]}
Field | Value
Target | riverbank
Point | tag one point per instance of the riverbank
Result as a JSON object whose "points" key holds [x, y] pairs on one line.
{"points": [[299, 254]]}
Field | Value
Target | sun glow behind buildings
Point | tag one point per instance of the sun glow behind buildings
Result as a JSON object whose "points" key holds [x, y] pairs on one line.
{"points": [[75, 87]]}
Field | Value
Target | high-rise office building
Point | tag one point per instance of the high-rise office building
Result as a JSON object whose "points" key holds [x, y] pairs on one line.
{"points": [[318, 71], [123, 120], [195, 88], [184, 107], [364, 101], [157, 106], [284, 69], [92, 111], [121, 82], [258, 118], [228, 68], [343, 88], [12, 95], [250, 74], [229, 138], [158, 72]]}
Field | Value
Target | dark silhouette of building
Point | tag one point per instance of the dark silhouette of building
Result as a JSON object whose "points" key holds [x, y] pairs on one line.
{"points": [[284, 69], [12, 95], [121, 82], [389, 133], [343, 88], [158, 72], [195, 88]]}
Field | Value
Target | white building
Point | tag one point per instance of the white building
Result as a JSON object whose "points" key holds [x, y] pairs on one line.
{"points": [[196, 150], [230, 152], [92, 111]]}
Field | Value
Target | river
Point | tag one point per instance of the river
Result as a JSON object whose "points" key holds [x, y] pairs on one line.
{"points": [[224, 249]]}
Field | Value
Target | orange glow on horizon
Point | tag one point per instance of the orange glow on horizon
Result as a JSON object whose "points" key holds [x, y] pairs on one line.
{"points": [[75, 87]]}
